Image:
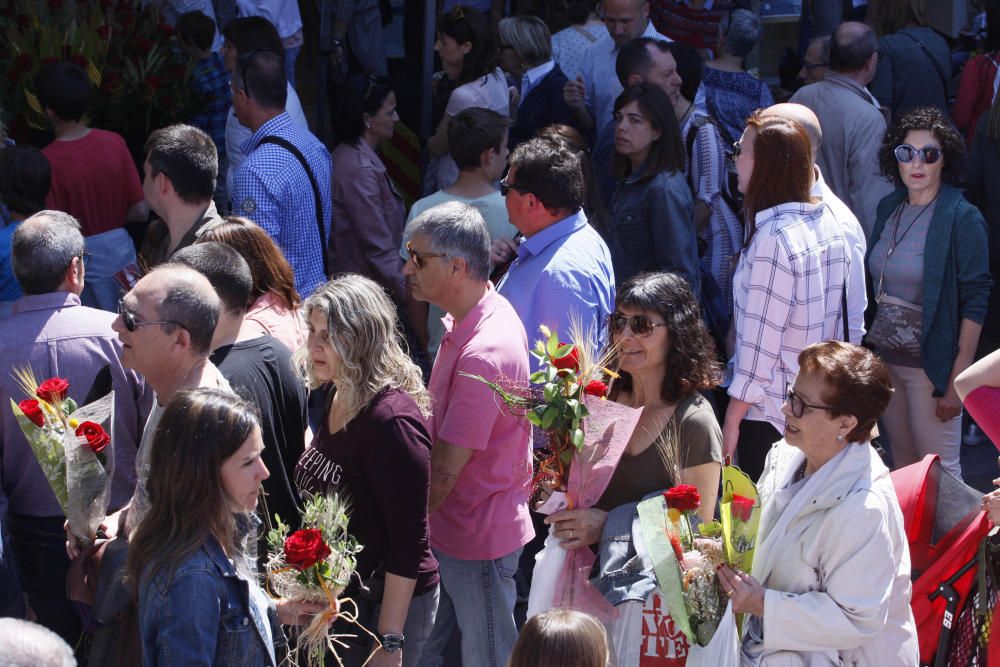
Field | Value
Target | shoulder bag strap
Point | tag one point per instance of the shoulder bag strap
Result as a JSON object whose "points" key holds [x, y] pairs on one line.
{"points": [[290, 147], [586, 33], [843, 310], [934, 62]]}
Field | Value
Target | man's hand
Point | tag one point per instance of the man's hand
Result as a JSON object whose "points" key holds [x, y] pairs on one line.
{"points": [[949, 406], [575, 94], [502, 250]]}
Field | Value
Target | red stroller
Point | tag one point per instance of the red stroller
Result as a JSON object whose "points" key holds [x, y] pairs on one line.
{"points": [[954, 589]]}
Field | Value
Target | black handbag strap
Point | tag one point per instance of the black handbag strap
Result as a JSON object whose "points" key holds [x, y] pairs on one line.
{"points": [[843, 312], [291, 148], [934, 62]]}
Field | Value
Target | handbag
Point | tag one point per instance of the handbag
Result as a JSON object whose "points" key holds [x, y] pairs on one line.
{"points": [[897, 327]]}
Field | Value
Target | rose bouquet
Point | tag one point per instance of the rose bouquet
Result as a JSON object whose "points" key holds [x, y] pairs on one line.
{"points": [[686, 563], [71, 445], [586, 436], [314, 564]]}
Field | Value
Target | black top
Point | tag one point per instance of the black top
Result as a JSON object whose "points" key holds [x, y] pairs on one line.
{"points": [[543, 106], [260, 370], [381, 462]]}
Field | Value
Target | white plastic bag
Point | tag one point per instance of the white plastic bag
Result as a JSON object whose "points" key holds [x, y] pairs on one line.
{"points": [[545, 576], [645, 635], [723, 650]]}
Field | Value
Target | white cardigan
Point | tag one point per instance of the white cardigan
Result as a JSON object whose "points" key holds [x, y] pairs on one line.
{"points": [[833, 557]]}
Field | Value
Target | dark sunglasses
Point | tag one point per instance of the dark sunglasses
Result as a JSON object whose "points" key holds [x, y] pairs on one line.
{"points": [[928, 154], [736, 149], [799, 406], [640, 325], [128, 319], [506, 187], [419, 258]]}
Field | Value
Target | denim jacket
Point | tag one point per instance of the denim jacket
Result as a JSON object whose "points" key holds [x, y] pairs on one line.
{"points": [[652, 228], [202, 613], [625, 571]]}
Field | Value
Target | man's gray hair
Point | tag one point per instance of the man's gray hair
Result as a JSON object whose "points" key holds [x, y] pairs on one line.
{"points": [[42, 248], [742, 30], [191, 303], [27, 644], [528, 36], [456, 230]]}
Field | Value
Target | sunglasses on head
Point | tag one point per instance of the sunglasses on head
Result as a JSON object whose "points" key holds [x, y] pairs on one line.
{"points": [[639, 324], [128, 319], [928, 154], [420, 258]]}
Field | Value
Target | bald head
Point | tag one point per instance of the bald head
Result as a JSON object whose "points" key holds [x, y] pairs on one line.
{"points": [[802, 115], [184, 296], [851, 47]]}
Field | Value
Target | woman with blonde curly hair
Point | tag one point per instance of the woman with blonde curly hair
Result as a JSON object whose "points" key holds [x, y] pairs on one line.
{"points": [[372, 446]]}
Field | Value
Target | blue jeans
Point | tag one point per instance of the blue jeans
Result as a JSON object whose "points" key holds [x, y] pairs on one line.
{"points": [[110, 252], [477, 599]]}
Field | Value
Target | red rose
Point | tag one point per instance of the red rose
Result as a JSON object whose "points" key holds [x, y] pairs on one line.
{"points": [[104, 32], [33, 411], [153, 82], [683, 497], [79, 59], [166, 29], [570, 362], [53, 390], [304, 548], [741, 507], [97, 437], [596, 388]]}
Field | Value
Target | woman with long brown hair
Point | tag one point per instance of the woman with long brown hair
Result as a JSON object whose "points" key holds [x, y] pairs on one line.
{"points": [[274, 301], [788, 286], [196, 583]]}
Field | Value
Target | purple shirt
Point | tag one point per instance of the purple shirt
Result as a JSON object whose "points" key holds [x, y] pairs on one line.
{"points": [[486, 514], [382, 462], [58, 337]]}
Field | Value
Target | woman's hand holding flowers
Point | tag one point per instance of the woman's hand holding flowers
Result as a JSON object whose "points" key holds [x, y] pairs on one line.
{"points": [[746, 593], [296, 612]]}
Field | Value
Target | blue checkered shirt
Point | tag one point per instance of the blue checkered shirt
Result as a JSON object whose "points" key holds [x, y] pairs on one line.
{"points": [[273, 190], [210, 82]]}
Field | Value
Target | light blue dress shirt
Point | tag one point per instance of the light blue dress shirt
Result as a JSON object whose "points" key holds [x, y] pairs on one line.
{"points": [[560, 274]]}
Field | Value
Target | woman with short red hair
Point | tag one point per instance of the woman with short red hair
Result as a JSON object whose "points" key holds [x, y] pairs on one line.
{"points": [[789, 282]]}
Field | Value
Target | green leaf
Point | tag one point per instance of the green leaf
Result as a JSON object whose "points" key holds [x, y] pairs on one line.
{"points": [[538, 377], [533, 417], [564, 350], [549, 416], [578, 438], [550, 393], [552, 345]]}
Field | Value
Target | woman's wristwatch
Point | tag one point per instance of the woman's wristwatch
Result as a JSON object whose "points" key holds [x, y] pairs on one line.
{"points": [[392, 641]]}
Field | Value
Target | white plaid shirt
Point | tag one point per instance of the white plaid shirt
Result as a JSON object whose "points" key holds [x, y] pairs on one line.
{"points": [[788, 287]]}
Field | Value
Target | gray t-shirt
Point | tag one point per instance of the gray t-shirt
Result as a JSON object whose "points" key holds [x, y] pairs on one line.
{"points": [[904, 267]]}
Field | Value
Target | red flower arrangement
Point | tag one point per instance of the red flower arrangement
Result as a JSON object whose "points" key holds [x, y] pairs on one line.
{"points": [[33, 411], [569, 362], [97, 438], [683, 497], [305, 548], [53, 390], [596, 388]]}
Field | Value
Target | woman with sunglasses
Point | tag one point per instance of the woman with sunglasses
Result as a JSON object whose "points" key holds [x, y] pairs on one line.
{"points": [[665, 358], [831, 573], [368, 212], [929, 270], [372, 446], [652, 225], [789, 283]]}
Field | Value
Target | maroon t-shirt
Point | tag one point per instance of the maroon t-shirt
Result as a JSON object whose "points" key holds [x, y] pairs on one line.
{"points": [[381, 463]]}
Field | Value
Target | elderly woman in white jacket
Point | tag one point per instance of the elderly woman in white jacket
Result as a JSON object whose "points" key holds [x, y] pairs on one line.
{"points": [[831, 574]]}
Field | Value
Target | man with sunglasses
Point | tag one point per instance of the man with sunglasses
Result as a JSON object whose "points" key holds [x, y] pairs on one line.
{"points": [[53, 334], [481, 459], [562, 271], [851, 121]]}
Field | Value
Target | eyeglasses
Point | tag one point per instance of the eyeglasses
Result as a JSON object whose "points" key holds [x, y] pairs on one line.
{"points": [[811, 66], [84, 258], [506, 187], [640, 325], [420, 257], [736, 149], [928, 154], [799, 406], [128, 319]]}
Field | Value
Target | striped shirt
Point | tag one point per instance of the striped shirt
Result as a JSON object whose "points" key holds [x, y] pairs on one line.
{"points": [[600, 78], [273, 190], [788, 287]]}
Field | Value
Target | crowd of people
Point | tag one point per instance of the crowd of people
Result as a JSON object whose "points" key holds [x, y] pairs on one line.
{"points": [[777, 285]]}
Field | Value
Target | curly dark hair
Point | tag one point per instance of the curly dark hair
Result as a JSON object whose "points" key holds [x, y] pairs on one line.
{"points": [[936, 122], [691, 361]]}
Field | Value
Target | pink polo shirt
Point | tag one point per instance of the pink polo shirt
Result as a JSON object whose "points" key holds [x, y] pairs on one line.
{"points": [[486, 515]]}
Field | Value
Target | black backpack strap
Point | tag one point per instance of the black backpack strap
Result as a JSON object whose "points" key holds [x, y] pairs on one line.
{"points": [[934, 62], [290, 147]]}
